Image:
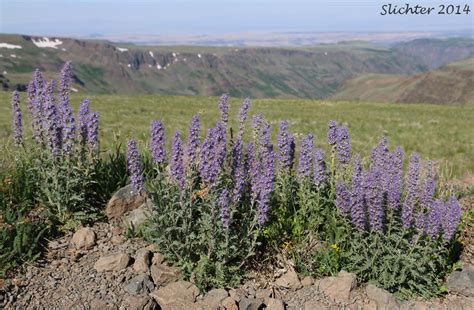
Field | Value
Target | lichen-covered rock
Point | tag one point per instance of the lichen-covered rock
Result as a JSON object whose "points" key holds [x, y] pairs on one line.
{"points": [[140, 284], [124, 200], [462, 282]]}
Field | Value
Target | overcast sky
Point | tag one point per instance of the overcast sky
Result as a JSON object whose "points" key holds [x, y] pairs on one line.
{"points": [[115, 17]]}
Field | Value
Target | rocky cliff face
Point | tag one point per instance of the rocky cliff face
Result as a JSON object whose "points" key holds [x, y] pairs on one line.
{"points": [[102, 67]]}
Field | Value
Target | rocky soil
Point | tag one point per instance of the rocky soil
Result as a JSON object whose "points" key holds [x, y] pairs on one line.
{"points": [[99, 268]]}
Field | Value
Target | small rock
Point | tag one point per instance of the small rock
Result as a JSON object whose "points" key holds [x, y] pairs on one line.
{"points": [[113, 262], [163, 274], [250, 303], [289, 280], [84, 238], [307, 281], [462, 282], [339, 288], [140, 284], [124, 200], [139, 303], [137, 217], [176, 292], [383, 298], [229, 304], [142, 261], [275, 304]]}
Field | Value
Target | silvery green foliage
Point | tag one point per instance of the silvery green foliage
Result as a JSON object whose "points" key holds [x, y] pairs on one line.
{"points": [[71, 180], [207, 220], [407, 265]]}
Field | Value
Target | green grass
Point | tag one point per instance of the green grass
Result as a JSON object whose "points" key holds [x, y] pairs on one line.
{"points": [[440, 133]]}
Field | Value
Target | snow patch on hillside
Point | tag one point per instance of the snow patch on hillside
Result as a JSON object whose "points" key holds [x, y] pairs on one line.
{"points": [[46, 42], [151, 54], [122, 49], [10, 46]]}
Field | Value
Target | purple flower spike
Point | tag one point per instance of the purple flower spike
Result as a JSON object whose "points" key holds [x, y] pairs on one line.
{"points": [[332, 133], [382, 161], [319, 168], [286, 147], [343, 146], [31, 95], [395, 186], [264, 135], [82, 121], [17, 124], [133, 165], [357, 195], [157, 142], [193, 141], [65, 82], [223, 203], [305, 160], [342, 198], [177, 167], [68, 125], [451, 217], [221, 144], [39, 83], [238, 170], [212, 154], [49, 93], [206, 158], [435, 213], [244, 108], [257, 120], [412, 190], [52, 130], [93, 132], [224, 109], [373, 196]]}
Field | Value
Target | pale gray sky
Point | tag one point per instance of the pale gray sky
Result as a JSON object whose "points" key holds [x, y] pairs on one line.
{"points": [[114, 17]]}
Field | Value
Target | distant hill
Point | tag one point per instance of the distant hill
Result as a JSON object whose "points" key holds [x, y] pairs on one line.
{"points": [[452, 83], [308, 72]]}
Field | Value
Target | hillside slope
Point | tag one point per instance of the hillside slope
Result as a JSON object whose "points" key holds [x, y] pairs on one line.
{"points": [[102, 67], [453, 83]]}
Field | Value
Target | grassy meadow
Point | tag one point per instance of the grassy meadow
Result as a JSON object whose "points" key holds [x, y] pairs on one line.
{"points": [[441, 133]]}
